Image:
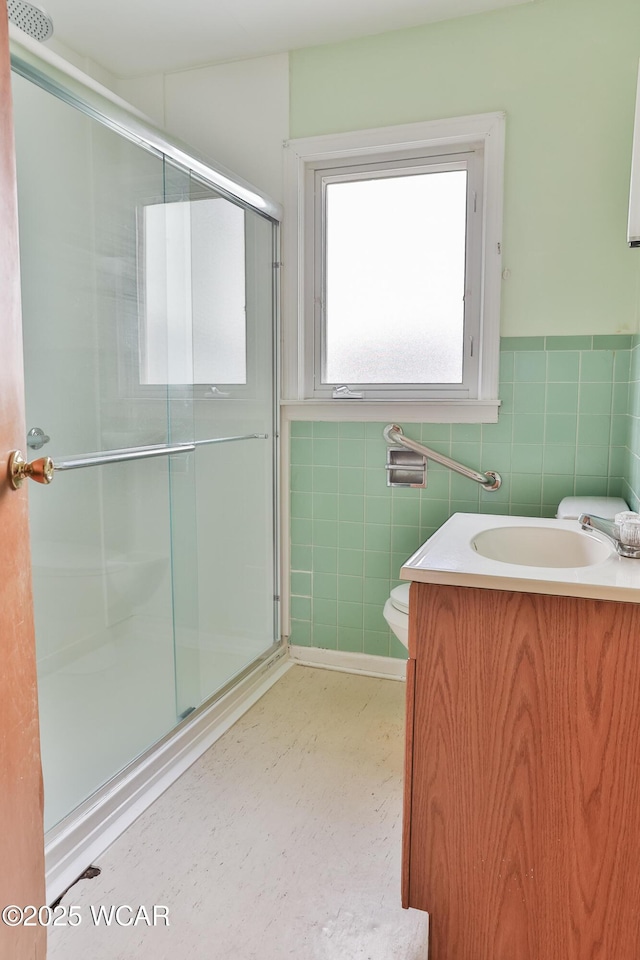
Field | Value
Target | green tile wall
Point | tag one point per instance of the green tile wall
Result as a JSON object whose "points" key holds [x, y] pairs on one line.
{"points": [[631, 487], [563, 430]]}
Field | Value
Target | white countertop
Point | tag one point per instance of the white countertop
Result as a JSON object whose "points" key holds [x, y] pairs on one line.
{"points": [[449, 557]]}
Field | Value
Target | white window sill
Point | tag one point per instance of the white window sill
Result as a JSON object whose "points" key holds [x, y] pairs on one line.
{"points": [[405, 411]]}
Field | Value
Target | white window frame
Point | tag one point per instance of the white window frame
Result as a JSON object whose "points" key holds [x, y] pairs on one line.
{"points": [[393, 147]]}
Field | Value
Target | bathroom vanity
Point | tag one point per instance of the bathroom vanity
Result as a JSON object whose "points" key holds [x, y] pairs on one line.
{"points": [[522, 789]]}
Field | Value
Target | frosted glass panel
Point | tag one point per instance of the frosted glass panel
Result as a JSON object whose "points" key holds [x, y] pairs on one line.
{"points": [[395, 274], [194, 293]]}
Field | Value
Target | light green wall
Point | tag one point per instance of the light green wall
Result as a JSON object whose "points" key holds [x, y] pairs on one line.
{"points": [[565, 73]]}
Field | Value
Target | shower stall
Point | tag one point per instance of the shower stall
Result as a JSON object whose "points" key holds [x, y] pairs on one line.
{"points": [[149, 286]]}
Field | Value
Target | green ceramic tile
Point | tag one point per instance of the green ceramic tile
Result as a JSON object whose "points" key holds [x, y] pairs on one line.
{"points": [[594, 431], [300, 634], [378, 509], [620, 426], [438, 483], [301, 428], [351, 562], [592, 461], [301, 584], [466, 432], [525, 509], [325, 611], [325, 479], [301, 531], [398, 560], [397, 650], [376, 590], [615, 487], [620, 404], [495, 496], [595, 398], [526, 488], [325, 533], [530, 366], [325, 586], [433, 513], [349, 589], [325, 507], [377, 537], [405, 540], [351, 536], [325, 559], [528, 397], [562, 398], [466, 453], [376, 643], [326, 451], [496, 456], [375, 482], [351, 508], [617, 341], [555, 488], [325, 636], [561, 428], [375, 453], [376, 564], [506, 398], [352, 453], [352, 430], [618, 457], [526, 457], [300, 608], [507, 366], [301, 504], [435, 432], [351, 481], [301, 450], [563, 366], [500, 432], [461, 487], [407, 512], [372, 617], [596, 366], [568, 343], [301, 478], [529, 426], [374, 430], [301, 557], [591, 486], [559, 459], [495, 509], [323, 429], [468, 506], [521, 343], [350, 639], [622, 366], [548, 510]]}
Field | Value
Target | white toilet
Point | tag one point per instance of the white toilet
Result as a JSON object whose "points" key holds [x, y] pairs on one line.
{"points": [[396, 609]]}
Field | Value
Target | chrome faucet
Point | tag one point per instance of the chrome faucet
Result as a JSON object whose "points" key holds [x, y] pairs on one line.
{"points": [[611, 531]]}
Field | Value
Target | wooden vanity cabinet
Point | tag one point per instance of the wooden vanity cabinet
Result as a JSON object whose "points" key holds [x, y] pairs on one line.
{"points": [[522, 788]]}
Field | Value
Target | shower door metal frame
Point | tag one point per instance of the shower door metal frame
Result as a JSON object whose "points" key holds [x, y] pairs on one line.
{"points": [[54, 75]]}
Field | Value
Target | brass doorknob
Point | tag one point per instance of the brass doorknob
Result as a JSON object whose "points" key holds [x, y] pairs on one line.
{"points": [[40, 470]]}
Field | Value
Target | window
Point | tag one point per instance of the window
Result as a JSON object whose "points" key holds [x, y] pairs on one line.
{"points": [[397, 247]]}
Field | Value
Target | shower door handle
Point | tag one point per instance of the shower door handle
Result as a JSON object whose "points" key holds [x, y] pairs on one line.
{"points": [[40, 470]]}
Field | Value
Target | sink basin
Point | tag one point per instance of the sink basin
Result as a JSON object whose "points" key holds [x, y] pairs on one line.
{"points": [[540, 547]]}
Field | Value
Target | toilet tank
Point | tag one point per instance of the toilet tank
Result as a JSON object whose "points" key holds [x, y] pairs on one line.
{"points": [[606, 507]]}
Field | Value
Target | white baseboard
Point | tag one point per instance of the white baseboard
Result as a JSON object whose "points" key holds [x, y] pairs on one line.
{"points": [[83, 836], [389, 668]]}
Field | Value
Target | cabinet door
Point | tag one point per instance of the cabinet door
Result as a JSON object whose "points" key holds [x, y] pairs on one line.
{"points": [[524, 815]]}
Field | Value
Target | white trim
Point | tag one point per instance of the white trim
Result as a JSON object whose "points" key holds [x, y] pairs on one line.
{"points": [[74, 844], [300, 154], [388, 668], [407, 411]]}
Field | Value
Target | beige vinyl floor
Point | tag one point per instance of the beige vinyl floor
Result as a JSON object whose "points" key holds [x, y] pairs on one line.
{"points": [[282, 841]]}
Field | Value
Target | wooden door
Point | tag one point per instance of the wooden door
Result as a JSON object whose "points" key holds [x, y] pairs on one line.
{"points": [[21, 800]]}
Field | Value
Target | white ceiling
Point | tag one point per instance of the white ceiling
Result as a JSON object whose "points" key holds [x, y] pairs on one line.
{"points": [[139, 37]]}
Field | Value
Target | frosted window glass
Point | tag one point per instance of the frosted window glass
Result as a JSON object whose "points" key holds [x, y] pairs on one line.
{"points": [[195, 296], [395, 275]]}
